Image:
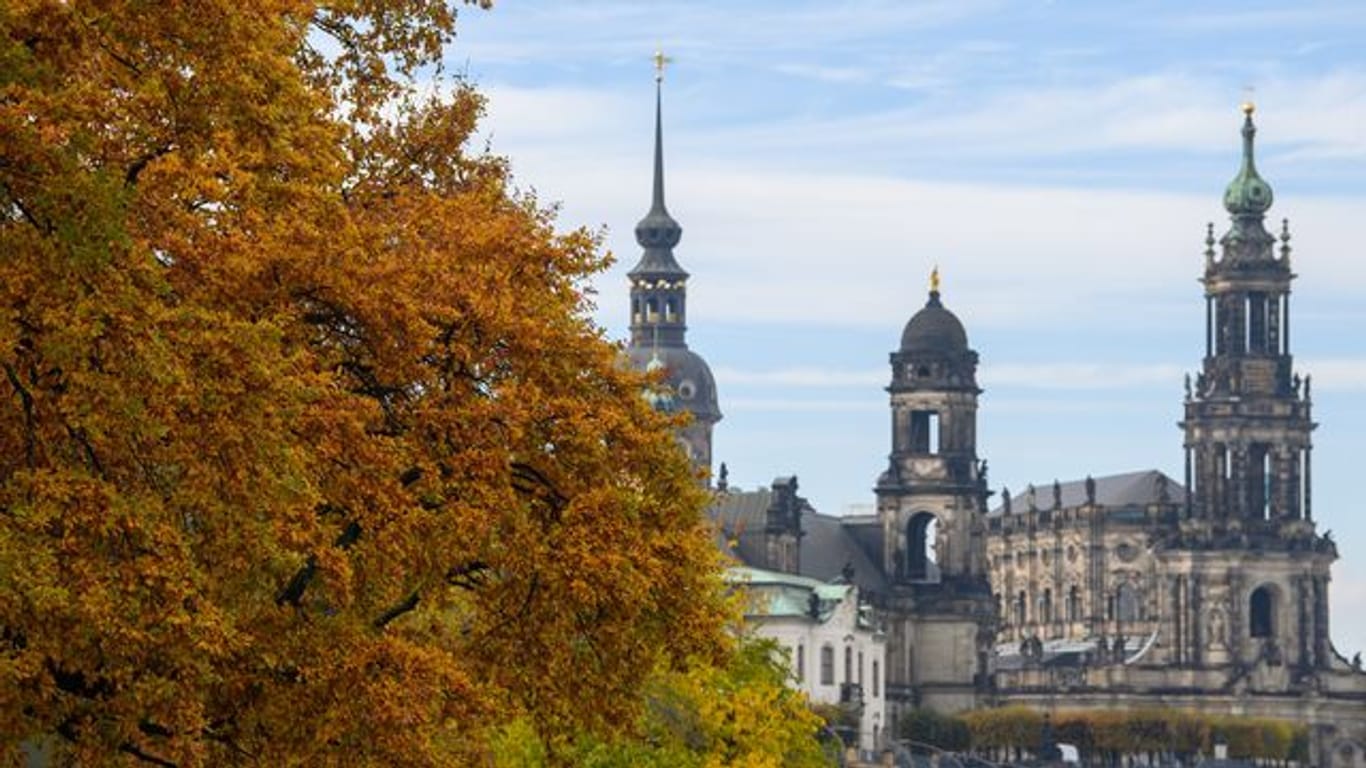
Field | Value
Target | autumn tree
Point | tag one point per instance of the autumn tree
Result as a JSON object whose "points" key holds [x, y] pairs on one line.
{"points": [[308, 451]]}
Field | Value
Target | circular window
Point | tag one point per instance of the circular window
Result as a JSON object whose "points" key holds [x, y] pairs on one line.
{"points": [[686, 389]]}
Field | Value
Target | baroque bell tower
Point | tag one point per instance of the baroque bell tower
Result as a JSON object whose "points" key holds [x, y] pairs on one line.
{"points": [[931, 505], [1251, 585], [659, 294]]}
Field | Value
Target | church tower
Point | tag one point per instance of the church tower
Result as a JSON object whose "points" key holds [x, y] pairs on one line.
{"points": [[931, 504], [1251, 586], [659, 293]]}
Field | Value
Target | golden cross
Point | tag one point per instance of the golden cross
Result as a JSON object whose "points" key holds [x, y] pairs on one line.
{"points": [[934, 279], [660, 61]]}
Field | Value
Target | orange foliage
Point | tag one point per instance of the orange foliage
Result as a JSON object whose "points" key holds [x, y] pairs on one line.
{"points": [[308, 452]]}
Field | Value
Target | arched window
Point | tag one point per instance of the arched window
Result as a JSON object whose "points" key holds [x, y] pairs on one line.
{"points": [[920, 533], [877, 679], [1074, 604], [860, 669], [801, 663], [1261, 612], [1046, 607], [827, 665], [848, 665], [669, 311], [1020, 608]]}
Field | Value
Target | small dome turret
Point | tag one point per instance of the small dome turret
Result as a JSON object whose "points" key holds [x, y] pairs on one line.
{"points": [[933, 328]]}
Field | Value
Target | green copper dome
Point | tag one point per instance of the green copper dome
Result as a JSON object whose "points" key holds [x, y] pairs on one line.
{"points": [[1248, 193]]}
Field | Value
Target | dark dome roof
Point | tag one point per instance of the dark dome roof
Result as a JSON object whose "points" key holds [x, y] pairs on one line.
{"points": [[694, 387], [934, 329]]}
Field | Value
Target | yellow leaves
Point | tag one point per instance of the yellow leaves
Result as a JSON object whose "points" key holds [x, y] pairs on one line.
{"points": [[308, 452]]}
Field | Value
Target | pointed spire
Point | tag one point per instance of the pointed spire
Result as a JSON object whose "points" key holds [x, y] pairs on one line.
{"points": [[658, 233], [657, 201]]}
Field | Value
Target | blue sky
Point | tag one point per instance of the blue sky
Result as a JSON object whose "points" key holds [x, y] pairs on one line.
{"points": [[1057, 160]]}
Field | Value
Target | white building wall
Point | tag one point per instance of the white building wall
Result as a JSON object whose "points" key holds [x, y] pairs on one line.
{"points": [[803, 639]]}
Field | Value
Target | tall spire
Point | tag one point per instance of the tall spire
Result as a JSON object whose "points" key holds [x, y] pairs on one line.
{"points": [[657, 202], [658, 233]]}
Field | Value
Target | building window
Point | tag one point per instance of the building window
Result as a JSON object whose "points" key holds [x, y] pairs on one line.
{"points": [[920, 534], [876, 679], [1074, 604], [801, 663], [1262, 612], [924, 432], [827, 665], [848, 665], [1046, 607], [860, 669], [1020, 609]]}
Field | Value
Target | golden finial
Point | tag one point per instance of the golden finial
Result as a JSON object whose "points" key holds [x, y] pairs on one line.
{"points": [[660, 61], [1248, 106], [934, 279]]}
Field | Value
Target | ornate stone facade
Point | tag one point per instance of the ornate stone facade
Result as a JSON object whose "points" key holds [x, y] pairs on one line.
{"points": [[1134, 590]]}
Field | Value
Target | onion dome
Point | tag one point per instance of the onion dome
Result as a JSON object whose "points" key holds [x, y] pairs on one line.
{"points": [[1248, 193]]}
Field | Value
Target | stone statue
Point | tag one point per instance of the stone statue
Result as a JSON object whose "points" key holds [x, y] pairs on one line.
{"points": [[1005, 497], [1057, 495], [1090, 490], [723, 479], [1306, 386], [1356, 661], [1029, 496], [1188, 386]]}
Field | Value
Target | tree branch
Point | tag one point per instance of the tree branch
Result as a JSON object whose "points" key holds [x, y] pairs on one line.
{"points": [[469, 576], [408, 604], [26, 398], [293, 592], [130, 748]]}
